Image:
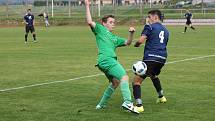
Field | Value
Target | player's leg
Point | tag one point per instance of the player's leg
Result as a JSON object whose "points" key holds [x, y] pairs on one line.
{"points": [[185, 29], [33, 33], [108, 92], [118, 72], [26, 33], [137, 92], [155, 71], [158, 87], [46, 22], [157, 84], [191, 26]]}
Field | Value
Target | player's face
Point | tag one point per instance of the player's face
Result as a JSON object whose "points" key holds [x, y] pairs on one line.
{"points": [[29, 11], [110, 24], [152, 18]]}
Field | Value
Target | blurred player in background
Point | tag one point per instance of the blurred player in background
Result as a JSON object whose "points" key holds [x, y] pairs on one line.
{"points": [[107, 62], [188, 15], [46, 18], [155, 54], [29, 25]]}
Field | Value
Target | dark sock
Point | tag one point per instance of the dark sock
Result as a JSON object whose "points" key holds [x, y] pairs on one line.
{"points": [[192, 27], [34, 36], [137, 94], [185, 29], [26, 37], [157, 85]]}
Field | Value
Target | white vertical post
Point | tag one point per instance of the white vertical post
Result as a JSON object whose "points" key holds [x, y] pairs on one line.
{"points": [[69, 8], [99, 8], [150, 3], [141, 8], [202, 7], [52, 8], [47, 6], [7, 8]]}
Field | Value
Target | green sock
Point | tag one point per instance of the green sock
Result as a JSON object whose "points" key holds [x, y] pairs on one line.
{"points": [[106, 96], [126, 93]]}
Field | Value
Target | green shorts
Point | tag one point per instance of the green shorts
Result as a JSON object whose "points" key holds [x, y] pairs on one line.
{"points": [[112, 69]]}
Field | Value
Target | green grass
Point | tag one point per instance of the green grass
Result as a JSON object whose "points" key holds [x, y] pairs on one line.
{"points": [[70, 51]]}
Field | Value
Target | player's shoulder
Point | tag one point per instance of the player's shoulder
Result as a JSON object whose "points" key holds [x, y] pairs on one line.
{"points": [[157, 25], [100, 27], [148, 26], [98, 24]]}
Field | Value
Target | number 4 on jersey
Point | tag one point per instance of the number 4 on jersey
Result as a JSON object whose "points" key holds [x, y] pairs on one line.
{"points": [[161, 36]]}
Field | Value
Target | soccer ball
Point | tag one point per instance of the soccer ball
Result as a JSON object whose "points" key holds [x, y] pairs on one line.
{"points": [[139, 68]]}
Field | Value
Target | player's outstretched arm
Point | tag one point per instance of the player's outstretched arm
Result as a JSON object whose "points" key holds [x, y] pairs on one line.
{"points": [[131, 36], [24, 21], [33, 22], [90, 22], [140, 41]]}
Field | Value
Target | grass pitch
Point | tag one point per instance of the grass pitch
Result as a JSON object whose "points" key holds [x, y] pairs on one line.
{"points": [[64, 53]]}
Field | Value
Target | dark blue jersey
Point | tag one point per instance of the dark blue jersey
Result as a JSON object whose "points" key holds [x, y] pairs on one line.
{"points": [[155, 46], [188, 16], [29, 18]]}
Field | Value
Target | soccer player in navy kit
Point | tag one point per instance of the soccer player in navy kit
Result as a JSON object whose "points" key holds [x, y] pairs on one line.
{"points": [[188, 15], [29, 25], [155, 55]]}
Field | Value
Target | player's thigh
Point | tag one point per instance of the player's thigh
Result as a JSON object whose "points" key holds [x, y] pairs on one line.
{"points": [[27, 29], [32, 29], [153, 68], [138, 80], [109, 77], [114, 81], [117, 71], [188, 23]]}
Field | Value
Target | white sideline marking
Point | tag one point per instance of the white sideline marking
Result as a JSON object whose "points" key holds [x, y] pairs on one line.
{"points": [[47, 83]]}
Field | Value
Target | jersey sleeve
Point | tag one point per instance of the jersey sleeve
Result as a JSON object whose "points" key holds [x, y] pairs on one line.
{"points": [[25, 17], [32, 17], [146, 31], [120, 41], [96, 29]]}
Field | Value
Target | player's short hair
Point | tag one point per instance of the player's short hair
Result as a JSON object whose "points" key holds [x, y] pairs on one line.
{"points": [[105, 18], [29, 9], [156, 12]]}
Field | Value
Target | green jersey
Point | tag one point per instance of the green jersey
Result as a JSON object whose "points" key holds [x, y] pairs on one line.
{"points": [[106, 42]]}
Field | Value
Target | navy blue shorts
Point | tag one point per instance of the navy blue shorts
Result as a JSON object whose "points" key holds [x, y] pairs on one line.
{"points": [[153, 68]]}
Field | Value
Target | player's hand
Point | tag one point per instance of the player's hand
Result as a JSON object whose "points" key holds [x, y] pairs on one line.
{"points": [[131, 30], [87, 2], [137, 44], [147, 21]]}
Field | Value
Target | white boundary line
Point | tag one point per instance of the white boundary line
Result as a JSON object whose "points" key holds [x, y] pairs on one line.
{"points": [[100, 74]]}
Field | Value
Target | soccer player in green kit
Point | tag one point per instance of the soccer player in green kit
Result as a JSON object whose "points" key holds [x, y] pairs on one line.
{"points": [[107, 62]]}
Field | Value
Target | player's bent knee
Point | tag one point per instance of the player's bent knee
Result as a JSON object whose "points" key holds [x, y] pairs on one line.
{"points": [[153, 77], [115, 83], [125, 78], [137, 80]]}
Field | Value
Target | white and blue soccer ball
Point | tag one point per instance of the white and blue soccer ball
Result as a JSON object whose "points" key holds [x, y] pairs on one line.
{"points": [[139, 68]]}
